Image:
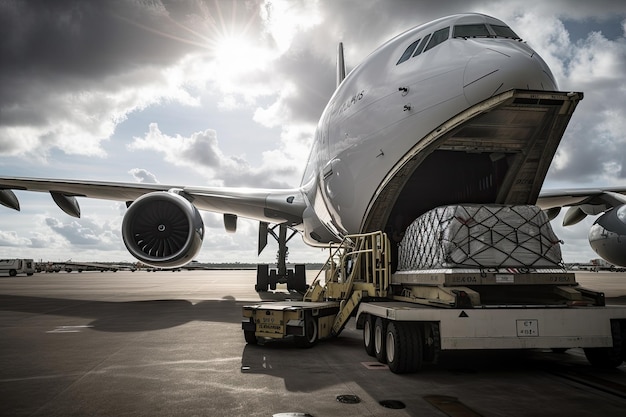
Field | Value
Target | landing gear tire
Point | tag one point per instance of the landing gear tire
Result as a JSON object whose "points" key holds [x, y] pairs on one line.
{"points": [[404, 346], [296, 279], [262, 279], [380, 327], [368, 335], [273, 279], [609, 357], [310, 333]]}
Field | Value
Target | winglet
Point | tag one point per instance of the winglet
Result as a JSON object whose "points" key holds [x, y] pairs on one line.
{"points": [[341, 65]]}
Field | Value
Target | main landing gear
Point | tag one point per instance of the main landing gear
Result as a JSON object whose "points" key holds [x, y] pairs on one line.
{"points": [[268, 277]]}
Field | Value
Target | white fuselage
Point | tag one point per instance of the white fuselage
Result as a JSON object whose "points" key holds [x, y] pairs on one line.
{"points": [[383, 108]]}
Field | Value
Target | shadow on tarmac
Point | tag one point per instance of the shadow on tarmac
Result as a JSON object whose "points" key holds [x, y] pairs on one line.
{"points": [[280, 358], [129, 316]]}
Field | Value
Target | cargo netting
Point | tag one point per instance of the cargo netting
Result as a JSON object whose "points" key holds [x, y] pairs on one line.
{"points": [[480, 236]]}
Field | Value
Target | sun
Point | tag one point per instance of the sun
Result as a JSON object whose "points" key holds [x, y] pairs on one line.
{"points": [[234, 54], [235, 40]]}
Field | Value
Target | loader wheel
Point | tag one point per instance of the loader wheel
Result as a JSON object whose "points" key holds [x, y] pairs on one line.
{"points": [[380, 327], [368, 335], [310, 333], [250, 337], [403, 343], [608, 357]]}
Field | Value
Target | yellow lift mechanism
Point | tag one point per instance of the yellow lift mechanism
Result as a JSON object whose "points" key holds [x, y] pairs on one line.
{"points": [[359, 267]]}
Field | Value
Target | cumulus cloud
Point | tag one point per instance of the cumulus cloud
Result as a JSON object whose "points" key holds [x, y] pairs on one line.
{"points": [[592, 149], [10, 238], [86, 233], [43, 241], [143, 176], [37, 240], [72, 70], [201, 152]]}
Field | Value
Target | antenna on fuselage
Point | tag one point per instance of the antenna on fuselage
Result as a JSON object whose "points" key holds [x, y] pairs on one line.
{"points": [[341, 65]]}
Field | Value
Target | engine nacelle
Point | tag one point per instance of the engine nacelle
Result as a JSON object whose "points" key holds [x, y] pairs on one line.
{"points": [[607, 236], [163, 229]]}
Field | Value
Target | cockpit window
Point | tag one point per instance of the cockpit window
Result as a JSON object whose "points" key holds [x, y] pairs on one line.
{"points": [[437, 38], [504, 32], [471, 31], [407, 53], [422, 45]]}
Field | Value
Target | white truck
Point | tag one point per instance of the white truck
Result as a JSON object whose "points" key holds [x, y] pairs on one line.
{"points": [[17, 266], [468, 277]]}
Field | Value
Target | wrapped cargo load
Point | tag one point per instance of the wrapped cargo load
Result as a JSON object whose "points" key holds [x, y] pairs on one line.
{"points": [[480, 236]]}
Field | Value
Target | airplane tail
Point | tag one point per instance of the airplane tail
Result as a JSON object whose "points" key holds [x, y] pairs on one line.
{"points": [[341, 66]]}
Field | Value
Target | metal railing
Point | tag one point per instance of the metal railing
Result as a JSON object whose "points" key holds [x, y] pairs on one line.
{"points": [[359, 263]]}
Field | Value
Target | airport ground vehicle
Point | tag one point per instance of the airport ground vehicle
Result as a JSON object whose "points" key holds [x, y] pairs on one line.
{"points": [[461, 285], [17, 266]]}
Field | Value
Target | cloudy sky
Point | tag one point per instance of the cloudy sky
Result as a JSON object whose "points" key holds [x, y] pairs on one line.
{"points": [[204, 92]]}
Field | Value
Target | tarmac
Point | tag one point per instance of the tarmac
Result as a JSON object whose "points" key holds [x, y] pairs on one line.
{"points": [[170, 344]]}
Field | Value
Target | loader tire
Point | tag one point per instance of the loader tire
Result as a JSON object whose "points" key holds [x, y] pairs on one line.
{"points": [[404, 347], [608, 357], [310, 333], [380, 327], [250, 337], [368, 335]]}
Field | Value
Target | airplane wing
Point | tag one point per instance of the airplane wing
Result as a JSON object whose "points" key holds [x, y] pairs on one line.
{"points": [[267, 205], [582, 202]]}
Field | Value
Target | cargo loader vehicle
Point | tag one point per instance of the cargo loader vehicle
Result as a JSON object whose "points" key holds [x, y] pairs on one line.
{"points": [[466, 277]]}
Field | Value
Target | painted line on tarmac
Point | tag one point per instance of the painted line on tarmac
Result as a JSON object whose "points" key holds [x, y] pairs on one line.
{"points": [[69, 329]]}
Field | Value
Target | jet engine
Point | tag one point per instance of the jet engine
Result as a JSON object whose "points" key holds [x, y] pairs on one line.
{"points": [[163, 229], [607, 236]]}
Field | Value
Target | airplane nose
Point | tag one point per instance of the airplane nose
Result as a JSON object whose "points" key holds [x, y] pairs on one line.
{"points": [[496, 70]]}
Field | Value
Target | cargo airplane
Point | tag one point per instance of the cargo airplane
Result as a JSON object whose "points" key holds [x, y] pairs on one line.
{"points": [[457, 110]]}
